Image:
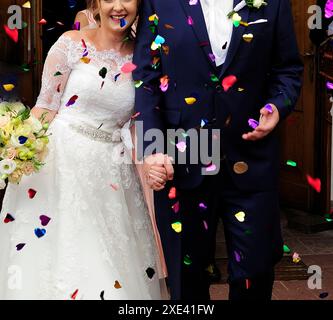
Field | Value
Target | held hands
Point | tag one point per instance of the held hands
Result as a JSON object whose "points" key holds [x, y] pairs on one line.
{"points": [[267, 123], [158, 169]]}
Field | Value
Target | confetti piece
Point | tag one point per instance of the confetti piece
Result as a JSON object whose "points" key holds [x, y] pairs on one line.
{"points": [[58, 87], [135, 115], [117, 285], [116, 77], [138, 84], [248, 37], [40, 232], [323, 295], [240, 216], [193, 2], [123, 23], [114, 187], [253, 123], [42, 22], [159, 40], [168, 26], [9, 218], [12, 33], [237, 256], [85, 60], [71, 101], [296, 257], [76, 26], [202, 206], [205, 224], [44, 220], [177, 227], [8, 87], [225, 45], [187, 260], [26, 5], [314, 183], [190, 21], [102, 295], [172, 193], [247, 284], [190, 100], [329, 85], [128, 67], [74, 294], [181, 146], [291, 163], [176, 207], [103, 72], [164, 83], [228, 82], [20, 246], [22, 139], [269, 108], [286, 249], [214, 78], [212, 57], [32, 193], [150, 273], [211, 168], [57, 74]]}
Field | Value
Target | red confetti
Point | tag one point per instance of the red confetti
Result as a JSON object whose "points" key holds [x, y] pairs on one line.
{"points": [[71, 101], [314, 183], [172, 193], [228, 82], [42, 22], [9, 218], [248, 284], [31, 193], [74, 295], [135, 115], [13, 34]]}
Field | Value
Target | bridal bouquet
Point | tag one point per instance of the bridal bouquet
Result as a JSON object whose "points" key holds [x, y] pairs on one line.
{"points": [[23, 142]]}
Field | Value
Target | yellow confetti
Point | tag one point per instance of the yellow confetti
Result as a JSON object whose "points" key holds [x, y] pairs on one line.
{"points": [[190, 100], [85, 60], [240, 216], [27, 5], [248, 37], [8, 87], [177, 227]]}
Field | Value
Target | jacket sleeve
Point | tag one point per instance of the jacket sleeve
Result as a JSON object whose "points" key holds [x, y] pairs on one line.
{"points": [[287, 68], [148, 94]]}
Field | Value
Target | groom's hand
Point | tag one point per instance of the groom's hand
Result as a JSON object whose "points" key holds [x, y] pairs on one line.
{"points": [[158, 169], [267, 123]]}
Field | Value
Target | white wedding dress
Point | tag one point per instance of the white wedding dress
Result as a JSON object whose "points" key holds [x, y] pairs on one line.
{"points": [[99, 242]]}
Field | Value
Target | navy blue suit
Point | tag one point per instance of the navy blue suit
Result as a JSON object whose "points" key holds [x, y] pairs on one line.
{"points": [[268, 69]]}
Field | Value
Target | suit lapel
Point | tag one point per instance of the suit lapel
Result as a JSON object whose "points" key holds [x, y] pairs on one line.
{"points": [[199, 27], [236, 38]]}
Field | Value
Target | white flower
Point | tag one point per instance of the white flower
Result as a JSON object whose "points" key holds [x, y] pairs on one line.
{"points": [[2, 184], [34, 123], [258, 3], [7, 166]]}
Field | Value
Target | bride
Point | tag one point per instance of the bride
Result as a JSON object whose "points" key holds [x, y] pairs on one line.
{"points": [[80, 227]]}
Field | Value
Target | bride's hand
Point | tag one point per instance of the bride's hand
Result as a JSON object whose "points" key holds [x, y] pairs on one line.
{"points": [[157, 177]]}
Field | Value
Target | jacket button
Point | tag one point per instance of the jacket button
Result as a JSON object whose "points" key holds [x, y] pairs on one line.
{"points": [[218, 89]]}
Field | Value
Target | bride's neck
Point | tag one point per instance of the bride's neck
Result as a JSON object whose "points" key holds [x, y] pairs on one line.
{"points": [[108, 40]]}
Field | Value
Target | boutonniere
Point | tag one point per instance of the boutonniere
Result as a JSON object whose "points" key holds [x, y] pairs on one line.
{"points": [[252, 4]]}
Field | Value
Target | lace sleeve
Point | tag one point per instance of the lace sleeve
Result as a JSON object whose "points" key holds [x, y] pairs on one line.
{"points": [[55, 75]]}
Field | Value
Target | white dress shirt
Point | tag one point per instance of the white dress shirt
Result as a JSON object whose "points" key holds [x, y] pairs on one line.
{"points": [[219, 26]]}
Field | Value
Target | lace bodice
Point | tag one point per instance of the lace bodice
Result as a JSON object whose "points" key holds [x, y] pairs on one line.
{"points": [[87, 85]]}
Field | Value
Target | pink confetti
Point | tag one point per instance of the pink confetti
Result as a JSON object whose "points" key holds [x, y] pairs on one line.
{"points": [[190, 21], [128, 67]]}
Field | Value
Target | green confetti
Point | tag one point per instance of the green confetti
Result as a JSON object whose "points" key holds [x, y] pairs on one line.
{"points": [[187, 260], [58, 73], [328, 217], [214, 78], [291, 163], [138, 84], [286, 249]]}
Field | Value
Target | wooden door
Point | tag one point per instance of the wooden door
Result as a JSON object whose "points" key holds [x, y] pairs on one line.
{"points": [[298, 134]]}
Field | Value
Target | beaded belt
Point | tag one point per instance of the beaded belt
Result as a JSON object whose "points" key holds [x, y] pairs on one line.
{"points": [[97, 134]]}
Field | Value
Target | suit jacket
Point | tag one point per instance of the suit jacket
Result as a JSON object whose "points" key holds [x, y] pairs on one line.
{"points": [[268, 70]]}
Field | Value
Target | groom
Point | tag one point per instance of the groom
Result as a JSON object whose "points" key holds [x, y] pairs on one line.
{"points": [[199, 67]]}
